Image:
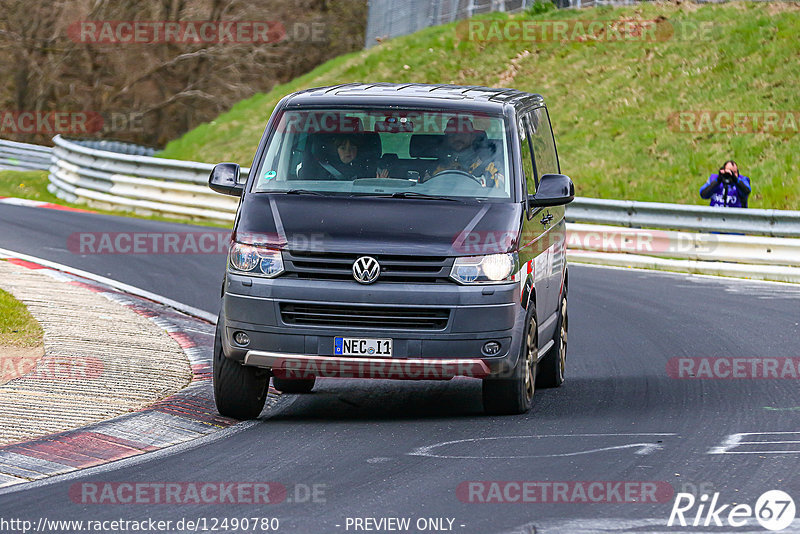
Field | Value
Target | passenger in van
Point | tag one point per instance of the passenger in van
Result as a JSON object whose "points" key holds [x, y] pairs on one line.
{"points": [[340, 158], [466, 149], [335, 158], [344, 164]]}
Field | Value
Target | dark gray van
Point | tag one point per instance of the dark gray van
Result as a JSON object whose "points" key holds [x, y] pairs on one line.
{"points": [[396, 231]]}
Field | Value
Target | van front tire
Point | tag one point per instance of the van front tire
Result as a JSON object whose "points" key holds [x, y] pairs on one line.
{"points": [[512, 396], [239, 391]]}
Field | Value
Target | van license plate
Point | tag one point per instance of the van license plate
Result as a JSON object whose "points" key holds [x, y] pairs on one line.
{"points": [[351, 346]]}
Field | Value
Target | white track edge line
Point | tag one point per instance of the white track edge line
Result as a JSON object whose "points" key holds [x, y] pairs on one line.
{"points": [[144, 457], [147, 455], [184, 308], [710, 277]]}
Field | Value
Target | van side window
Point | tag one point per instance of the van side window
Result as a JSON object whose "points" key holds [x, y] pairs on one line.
{"points": [[544, 147], [528, 168]]}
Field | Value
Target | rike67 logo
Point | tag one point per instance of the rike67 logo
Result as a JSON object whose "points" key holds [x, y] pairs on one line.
{"points": [[774, 510]]}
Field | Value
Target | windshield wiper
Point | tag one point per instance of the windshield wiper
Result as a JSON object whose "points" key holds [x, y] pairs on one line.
{"points": [[414, 194], [303, 192]]}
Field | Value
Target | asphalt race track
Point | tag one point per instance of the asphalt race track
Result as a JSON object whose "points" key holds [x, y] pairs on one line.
{"points": [[384, 449], [45, 233]]}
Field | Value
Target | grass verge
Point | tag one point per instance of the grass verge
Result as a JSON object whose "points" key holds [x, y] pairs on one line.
{"points": [[32, 185], [18, 328], [612, 103]]}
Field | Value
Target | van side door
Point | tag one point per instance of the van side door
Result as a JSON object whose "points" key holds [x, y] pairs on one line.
{"points": [[546, 162], [532, 246]]}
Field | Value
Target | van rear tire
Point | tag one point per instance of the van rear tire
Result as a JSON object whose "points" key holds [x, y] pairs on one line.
{"points": [[553, 366]]}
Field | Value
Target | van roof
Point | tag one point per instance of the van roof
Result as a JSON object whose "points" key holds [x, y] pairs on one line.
{"points": [[416, 94]]}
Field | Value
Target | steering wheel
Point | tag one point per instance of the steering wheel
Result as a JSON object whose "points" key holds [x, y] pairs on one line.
{"points": [[456, 171]]}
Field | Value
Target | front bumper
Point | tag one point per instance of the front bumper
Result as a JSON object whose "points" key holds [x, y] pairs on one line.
{"points": [[477, 315], [285, 365]]}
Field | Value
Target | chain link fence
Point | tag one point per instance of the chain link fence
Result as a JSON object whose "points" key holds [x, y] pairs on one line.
{"points": [[393, 18]]}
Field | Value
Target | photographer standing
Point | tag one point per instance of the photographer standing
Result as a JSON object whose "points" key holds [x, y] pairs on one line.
{"points": [[727, 188]]}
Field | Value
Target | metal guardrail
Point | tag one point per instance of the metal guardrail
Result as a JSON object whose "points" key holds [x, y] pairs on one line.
{"points": [[24, 156], [774, 273], [753, 250], [119, 147], [81, 172], [84, 172], [113, 179], [633, 214]]}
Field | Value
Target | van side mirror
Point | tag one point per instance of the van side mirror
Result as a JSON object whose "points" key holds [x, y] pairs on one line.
{"points": [[553, 190], [224, 179]]}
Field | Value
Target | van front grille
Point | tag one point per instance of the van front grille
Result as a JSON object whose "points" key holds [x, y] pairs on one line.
{"points": [[346, 315], [394, 268]]}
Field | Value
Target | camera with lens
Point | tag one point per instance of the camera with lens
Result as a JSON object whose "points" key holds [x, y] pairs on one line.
{"points": [[728, 178]]}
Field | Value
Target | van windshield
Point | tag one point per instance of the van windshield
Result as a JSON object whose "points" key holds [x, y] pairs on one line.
{"points": [[403, 153]]}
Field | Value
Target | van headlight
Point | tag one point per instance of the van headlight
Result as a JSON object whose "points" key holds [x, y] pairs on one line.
{"points": [[491, 269], [256, 261]]}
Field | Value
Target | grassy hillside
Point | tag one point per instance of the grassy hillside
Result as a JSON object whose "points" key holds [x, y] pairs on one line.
{"points": [[611, 103]]}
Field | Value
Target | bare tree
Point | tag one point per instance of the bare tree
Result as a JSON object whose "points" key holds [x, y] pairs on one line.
{"points": [[151, 92]]}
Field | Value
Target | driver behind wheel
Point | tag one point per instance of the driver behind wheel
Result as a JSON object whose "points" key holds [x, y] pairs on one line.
{"points": [[466, 150]]}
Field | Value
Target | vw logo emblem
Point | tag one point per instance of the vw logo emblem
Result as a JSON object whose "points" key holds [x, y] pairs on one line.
{"points": [[366, 270]]}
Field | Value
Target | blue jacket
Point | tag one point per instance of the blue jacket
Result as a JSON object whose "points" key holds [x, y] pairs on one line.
{"points": [[737, 193]]}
